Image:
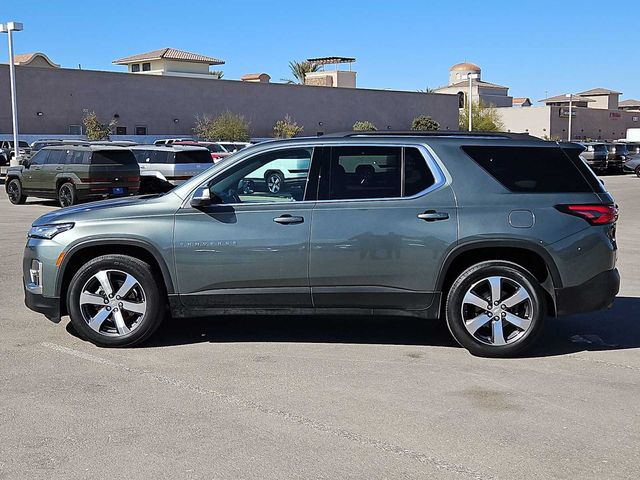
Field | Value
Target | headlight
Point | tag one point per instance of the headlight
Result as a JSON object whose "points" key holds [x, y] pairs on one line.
{"points": [[49, 231]]}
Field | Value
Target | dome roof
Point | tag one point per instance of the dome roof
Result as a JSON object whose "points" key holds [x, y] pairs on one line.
{"points": [[465, 67]]}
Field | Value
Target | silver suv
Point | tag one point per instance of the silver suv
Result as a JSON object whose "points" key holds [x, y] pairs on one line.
{"points": [[163, 167], [490, 232]]}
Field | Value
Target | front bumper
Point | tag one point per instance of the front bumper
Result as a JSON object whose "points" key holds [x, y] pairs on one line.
{"points": [[48, 306], [594, 294]]}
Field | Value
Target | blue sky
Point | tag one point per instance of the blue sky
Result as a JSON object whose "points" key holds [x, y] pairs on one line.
{"points": [[531, 46]]}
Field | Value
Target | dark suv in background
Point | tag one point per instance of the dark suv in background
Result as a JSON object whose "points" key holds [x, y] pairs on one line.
{"points": [[491, 232], [70, 173], [596, 155]]}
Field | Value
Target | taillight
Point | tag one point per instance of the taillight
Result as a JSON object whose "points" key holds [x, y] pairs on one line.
{"points": [[594, 214], [133, 179]]}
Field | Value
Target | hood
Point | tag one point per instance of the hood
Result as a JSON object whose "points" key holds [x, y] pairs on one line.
{"points": [[126, 207]]}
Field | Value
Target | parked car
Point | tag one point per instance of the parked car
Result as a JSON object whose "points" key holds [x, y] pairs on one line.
{"points": [[233, 147], [169, 141], [163, 167], [633, 148], [617, 156], [216, 151], [466, 227], [280, 175], [72, 173], [7, 152], [595, 154], [633, 165]]}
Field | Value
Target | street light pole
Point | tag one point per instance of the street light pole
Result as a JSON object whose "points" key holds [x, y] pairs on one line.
{"points": [[471, 76], [570, 97], [9, 28]]}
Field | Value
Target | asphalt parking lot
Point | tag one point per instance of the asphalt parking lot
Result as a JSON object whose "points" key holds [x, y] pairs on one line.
{"points": [[314, 398]]}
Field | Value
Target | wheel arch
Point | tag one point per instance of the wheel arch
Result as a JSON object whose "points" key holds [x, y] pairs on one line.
{"points": [[80, 253], [529, 255]]}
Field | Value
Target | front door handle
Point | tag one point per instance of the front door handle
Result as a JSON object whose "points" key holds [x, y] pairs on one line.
{"points": [[287, 219], [58, 168], [432, 216]]}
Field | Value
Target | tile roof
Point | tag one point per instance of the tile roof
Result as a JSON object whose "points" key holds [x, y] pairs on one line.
{"points": [[563, 98], [478, 83], [26, 58], [518, 100], [599, 91], [169, 54]]}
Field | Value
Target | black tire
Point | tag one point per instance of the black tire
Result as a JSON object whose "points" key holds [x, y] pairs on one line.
{"points": [[637, 170], [67, 194], [481, 343], [15, 192], [274, 182], [140, 326]]}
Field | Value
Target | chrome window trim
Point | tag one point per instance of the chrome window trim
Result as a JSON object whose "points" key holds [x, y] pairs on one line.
{"points": [[437, 169]]}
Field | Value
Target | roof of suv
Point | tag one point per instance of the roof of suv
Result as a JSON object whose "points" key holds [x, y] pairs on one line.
{"points": [[169, 148], [86, 147]]}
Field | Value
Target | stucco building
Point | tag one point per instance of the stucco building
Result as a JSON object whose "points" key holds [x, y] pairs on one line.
{"points": [[485, 92], [53, 101]]}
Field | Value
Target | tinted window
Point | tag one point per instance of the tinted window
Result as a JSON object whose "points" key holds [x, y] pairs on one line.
{"points": [[75, 157], [135, 67], [113, 157], [194, 156], [534, 169], [146, 67], [23, 144], [279, 176], [152, 156], [417, 175], [215, 148], [141, 130], [364, 172], [39, 158], [57, 157]]}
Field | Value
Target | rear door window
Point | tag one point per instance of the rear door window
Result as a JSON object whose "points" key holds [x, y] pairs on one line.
{"points": [[535, 169], [152, 156], [417, 175], [57, 157], [193, 156]]}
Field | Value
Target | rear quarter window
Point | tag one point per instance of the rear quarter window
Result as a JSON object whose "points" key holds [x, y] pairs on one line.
{"points": [[536, 169], [194, 156], [113, 157]]}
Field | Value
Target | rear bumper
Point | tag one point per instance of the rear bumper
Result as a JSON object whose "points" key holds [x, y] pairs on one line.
{"points": [[594, 294], [48, 306]]}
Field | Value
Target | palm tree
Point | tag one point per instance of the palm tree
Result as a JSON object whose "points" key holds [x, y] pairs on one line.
{"points": [[428, 90], [299, 69]]}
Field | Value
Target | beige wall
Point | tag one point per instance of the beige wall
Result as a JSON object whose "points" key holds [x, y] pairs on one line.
{"points": [[593, 123], [606, 102], [174, 66], [155, 101]]}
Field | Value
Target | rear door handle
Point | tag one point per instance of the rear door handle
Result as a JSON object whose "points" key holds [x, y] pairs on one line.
{"points": [[58, 168], [432, 216], [288, 219]]}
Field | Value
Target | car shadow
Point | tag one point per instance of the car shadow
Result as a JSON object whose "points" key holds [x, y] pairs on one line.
{"points": [[617, 328]]}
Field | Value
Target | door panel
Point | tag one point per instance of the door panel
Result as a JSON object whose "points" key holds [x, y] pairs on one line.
{"points": [[249, 250], [383, 252]]}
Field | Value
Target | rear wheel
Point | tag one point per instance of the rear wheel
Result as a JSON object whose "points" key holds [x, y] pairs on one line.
{"points": [[495, 309], [67, 195], [637, 170], [15, 193], [115, 301]]}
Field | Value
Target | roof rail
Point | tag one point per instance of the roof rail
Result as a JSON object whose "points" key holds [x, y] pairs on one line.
{"points": [[433, 133]]}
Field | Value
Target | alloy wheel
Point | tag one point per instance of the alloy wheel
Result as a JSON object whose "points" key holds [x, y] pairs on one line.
{"points": [[13, 192], [65, 196], [274, 183], [497, 311], [113, 302]]}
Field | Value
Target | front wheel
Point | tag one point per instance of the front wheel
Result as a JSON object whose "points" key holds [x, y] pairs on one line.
{"points": [[495, 309], [115, 301], [15, 193], [275, 182], [67, 195], [637, 170]]}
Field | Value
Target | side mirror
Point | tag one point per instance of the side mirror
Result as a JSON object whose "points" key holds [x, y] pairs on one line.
{"points": [[26, 163], [204, 198], [201, 197]]}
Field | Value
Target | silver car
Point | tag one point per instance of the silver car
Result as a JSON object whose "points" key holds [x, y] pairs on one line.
{"points": [[163, 167]]}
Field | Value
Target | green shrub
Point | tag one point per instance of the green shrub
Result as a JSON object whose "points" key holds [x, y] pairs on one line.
{"points": [[424, 123], [286, 128], [364, 126], [95, 129], [226, 126]]}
